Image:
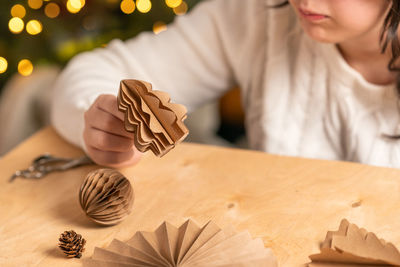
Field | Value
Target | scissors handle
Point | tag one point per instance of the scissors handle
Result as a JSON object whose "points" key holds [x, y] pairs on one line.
{"points": [[45, 164]]}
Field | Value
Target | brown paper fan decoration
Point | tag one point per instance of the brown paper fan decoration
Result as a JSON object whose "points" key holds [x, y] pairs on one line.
{"points": [[188, 245], [106, 196], [156, 123], [352, 246]]}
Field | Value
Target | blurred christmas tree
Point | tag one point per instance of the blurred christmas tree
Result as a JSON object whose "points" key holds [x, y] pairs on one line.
{"points": [[34, 32]]}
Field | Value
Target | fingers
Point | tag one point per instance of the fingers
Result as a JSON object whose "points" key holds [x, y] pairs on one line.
{"points": [[105, 121], [105, 141], [114, 159], [108, 103]]}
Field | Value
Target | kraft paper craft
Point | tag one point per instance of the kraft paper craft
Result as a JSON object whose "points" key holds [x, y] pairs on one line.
{"points": [[188, 245], [106, 196], [352, 246], [156, 123]]}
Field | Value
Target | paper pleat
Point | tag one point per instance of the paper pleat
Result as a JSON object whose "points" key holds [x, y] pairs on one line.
{"points": [[187, 245], [157, 123]]}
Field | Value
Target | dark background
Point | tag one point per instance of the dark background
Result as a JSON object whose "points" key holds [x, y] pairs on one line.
{"points": [[62, 37]]}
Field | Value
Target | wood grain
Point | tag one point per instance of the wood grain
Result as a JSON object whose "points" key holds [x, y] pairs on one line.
{"points": [[289, 202]]}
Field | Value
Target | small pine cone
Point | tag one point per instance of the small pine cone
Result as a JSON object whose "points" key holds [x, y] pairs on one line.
{"points": [[72, 244]]}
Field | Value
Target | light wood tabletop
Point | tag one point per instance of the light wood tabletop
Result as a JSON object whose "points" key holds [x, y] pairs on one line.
{"points": [[289, 202]]}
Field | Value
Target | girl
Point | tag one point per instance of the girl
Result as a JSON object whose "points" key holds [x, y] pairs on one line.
{"points": [[314, 77]]}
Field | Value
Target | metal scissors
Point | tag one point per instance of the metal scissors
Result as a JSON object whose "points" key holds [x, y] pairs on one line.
{"points": [[46, 163]]}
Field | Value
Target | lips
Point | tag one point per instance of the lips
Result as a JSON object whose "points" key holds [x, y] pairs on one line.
{"points": [[310, 15]]}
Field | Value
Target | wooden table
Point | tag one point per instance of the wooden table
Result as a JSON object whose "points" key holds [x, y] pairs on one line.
{"points": [[289, 202]]}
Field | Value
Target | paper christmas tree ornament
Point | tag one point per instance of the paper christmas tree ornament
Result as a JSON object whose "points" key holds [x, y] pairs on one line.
{"points": [[352, 246], [188, 245], [156, 123], [106, 196]]}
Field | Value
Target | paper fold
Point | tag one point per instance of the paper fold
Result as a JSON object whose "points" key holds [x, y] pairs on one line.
{"points": [[187, 245], [157, 123], [351, 245]]}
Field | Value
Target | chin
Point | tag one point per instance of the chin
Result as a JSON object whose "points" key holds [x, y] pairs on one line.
{"points": [[319, 34]]}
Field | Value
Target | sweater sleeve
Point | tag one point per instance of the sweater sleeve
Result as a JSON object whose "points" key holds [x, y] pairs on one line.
{"points": [[192, 60]]}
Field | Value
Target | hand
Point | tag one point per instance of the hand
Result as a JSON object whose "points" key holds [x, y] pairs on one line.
{"points": [[107, 142]]}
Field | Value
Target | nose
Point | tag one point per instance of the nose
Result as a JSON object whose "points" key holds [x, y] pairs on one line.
{"points": [[313, 5]]}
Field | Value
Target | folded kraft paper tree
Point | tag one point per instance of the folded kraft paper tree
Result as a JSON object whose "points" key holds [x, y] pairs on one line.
{"points": [[156, 123], [352, 246], [187, 245]]}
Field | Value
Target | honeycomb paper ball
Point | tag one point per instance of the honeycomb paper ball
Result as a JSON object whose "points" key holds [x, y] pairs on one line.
{"points": [[106, 196]]}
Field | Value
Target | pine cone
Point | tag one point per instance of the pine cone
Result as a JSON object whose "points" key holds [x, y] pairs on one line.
{"points": [[72, 244]]}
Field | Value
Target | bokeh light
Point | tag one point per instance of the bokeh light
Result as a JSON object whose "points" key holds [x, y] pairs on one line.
{"points": [[72, 9], [18, 11], [143, 6], [16, 25], [25, 67], [90, 23], [38, 18], [34, 27], [173, 3], [127, 6], [74, 6], [35, 4], [159, 26], [52, 10], [77, 4], [181, 9], [3, 64]]}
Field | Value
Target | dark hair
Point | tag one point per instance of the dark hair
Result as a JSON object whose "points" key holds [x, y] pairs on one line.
{"points": [[389, 39]]}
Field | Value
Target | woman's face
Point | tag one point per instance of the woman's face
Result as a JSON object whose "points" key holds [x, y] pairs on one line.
{"points": [[336, 21]]}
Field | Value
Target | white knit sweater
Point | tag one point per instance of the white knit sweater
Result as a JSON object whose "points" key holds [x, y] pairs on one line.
{"points": [[300, 97]]}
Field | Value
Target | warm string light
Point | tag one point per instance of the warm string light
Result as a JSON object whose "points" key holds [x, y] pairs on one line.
{"points": [[71, 9], [52, 10], [18, 11], [34, 27], [173, 3], [181, 9], [16, 25], [25, 67], [159, 26], [143, 6], [74, 6], [127, 6], [3, 64], [35, 4], [77, 4]]}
